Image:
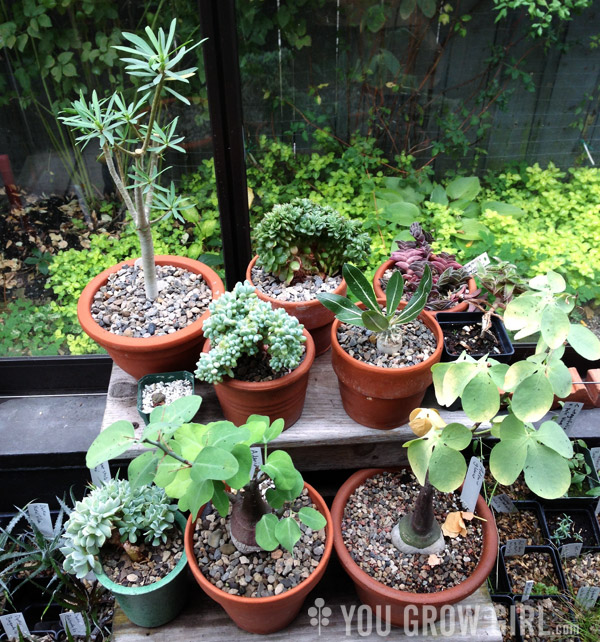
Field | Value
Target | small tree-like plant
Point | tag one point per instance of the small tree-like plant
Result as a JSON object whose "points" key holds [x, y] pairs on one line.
{"points": [[301, 238], [195, 463], [386, 324], [116, 513], [528, 387], [240, 324], [132, 139]]}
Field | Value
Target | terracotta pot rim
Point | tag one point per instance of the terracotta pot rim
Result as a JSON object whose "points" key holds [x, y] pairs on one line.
{"points": [[144, 344], [459, 307], [287, 379], [292, 305], [119, 589], [393, 372], [454, 594], [211, 589]]}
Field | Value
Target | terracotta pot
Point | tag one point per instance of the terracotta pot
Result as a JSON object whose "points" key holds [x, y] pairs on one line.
{"points": [[264, 614], [380, 292], [141, 356], [379, 397], [376, 594], [313, 315], [283, 397]]}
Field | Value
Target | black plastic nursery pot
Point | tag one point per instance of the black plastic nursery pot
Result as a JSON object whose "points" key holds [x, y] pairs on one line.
{"points": [[509, 621], [584, 522], [162, 377], [531, 623], [548, 551], [452, 321], [525, 505]]}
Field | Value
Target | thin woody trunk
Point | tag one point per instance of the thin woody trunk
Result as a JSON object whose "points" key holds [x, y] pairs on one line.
{"points": [[147, 247]]}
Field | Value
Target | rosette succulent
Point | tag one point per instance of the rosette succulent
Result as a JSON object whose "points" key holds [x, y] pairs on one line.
{"points": [[240, 324], [119, 513], [300, 238]]}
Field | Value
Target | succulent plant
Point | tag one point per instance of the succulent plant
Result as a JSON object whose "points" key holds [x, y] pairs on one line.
{"points": [[241, 324], [114, 507], [388, 324], [450, 279], [300, 238]]}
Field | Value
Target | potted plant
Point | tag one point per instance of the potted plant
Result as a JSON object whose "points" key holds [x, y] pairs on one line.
{"points": [[301, 248], [120, 533], [126, 308], [257, 357], [452, 284], [382, 377], [260, 509]]}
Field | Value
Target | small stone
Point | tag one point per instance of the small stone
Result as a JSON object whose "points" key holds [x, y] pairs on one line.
{"points": [[132, 577], [279, 588], [214, 538], [276, 554], [227, 549]]}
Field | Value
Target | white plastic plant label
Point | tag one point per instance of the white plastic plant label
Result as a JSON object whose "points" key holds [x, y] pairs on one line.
{"points": [[527, 590], [571, 550], [514, 547], [568, 414], [257, 458], [101, 474], [13, 624], [587, 596], [479, 261], [472, 485], [73, 622], [39, 514], [595, 453], [503, 504]]}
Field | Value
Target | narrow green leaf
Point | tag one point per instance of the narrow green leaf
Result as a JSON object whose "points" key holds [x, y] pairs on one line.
{"points": [[393, 293], [375, 321], [343, 309], [360, 286]]}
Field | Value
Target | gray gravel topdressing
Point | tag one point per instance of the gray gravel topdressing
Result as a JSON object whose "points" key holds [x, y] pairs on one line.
{"points": [[371, 513], [418, 344], [306, 291], [121, 306], [260, 574]]}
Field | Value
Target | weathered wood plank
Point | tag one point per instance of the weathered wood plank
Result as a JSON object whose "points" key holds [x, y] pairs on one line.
{"points": [[204, 619], [324, 437]]}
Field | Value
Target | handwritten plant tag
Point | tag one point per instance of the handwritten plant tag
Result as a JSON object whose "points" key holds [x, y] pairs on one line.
{"points": [[595, 453], [527, 590], [481, 260], [587, 596], [40, 516], [100, 474], [514, 547], [13, 624], [257, 459], [73, 622], [472, 484], [568, 414], [503, 504], [571, 550]]}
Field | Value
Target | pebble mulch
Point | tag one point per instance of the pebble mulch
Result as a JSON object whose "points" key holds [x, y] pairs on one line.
{"points": [[418, 344], [506, 621], [156, 563], [535, 565], [163, 393], [260, 574], [582, 571], [121, 306], [305, 291], [522, 524], [371, 513], [545, 619]]}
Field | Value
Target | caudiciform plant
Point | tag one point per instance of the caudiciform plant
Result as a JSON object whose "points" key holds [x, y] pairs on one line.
{"points": [[117, 513], [198, 463], [132, 139], [240, 324], [386, 324], [301, 238], [528, 387]]}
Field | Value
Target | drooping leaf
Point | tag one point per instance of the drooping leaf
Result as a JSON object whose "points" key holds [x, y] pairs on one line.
{"points": [[288, 533], [265, 532], [457, 376], [312, 518], [197, 495], [219, 498], [480, 398], [554, 326], [584, 342], [552, 435], [374, 321], [447, 468], [243, 456], [141, 470], [110, 443], [560, 379], [344, 310], [419, 454]]}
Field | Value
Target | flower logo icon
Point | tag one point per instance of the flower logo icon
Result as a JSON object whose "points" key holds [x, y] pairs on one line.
{"points": [[319, 614]]}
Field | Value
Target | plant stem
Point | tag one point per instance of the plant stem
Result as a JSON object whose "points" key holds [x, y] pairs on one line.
{"points": [[422, 519]]}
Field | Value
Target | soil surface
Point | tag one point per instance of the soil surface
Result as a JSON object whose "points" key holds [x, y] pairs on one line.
{"points": [[582, 571], [534, 565], [578, 527], [522, 524], [545, 619], [369, 517], [468, 338]]}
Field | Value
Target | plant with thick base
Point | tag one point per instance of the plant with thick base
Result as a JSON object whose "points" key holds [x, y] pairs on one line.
{"points": [[200, 463]]}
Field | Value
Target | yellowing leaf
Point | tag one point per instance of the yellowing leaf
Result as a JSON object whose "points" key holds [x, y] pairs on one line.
{"points": [[422, 420], [434, 560], [454, 525]]}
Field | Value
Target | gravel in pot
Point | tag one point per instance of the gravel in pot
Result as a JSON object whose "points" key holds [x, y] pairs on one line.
{"points": [[307, 290]]}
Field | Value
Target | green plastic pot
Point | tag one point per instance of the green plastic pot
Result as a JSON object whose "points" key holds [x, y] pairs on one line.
{"points": [[165, 377], [158, 603]]}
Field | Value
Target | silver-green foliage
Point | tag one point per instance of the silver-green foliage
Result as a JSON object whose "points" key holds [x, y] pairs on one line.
{"points": [[373, 318], [142, 512], [543, 452], [193, 462], [303, 237], [240, 324]]}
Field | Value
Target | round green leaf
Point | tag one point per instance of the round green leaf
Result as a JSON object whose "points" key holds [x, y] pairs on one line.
{"points": [[456, 377], [280, 468], [516, 373], [214, 463], [533, 398], [552, 435], [464, 187], [456, 436], [506, 462], [447, 469], [196, 496], [312, 518], [142, 469], [480, 398], [560, 379], [112, 442], [265, 532], [419, 454], [546, 473], [584, 342], [554, 326]]}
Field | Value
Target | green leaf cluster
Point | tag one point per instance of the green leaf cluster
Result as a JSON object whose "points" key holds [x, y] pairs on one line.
{"points": [[195, 463], [303, 237]]}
